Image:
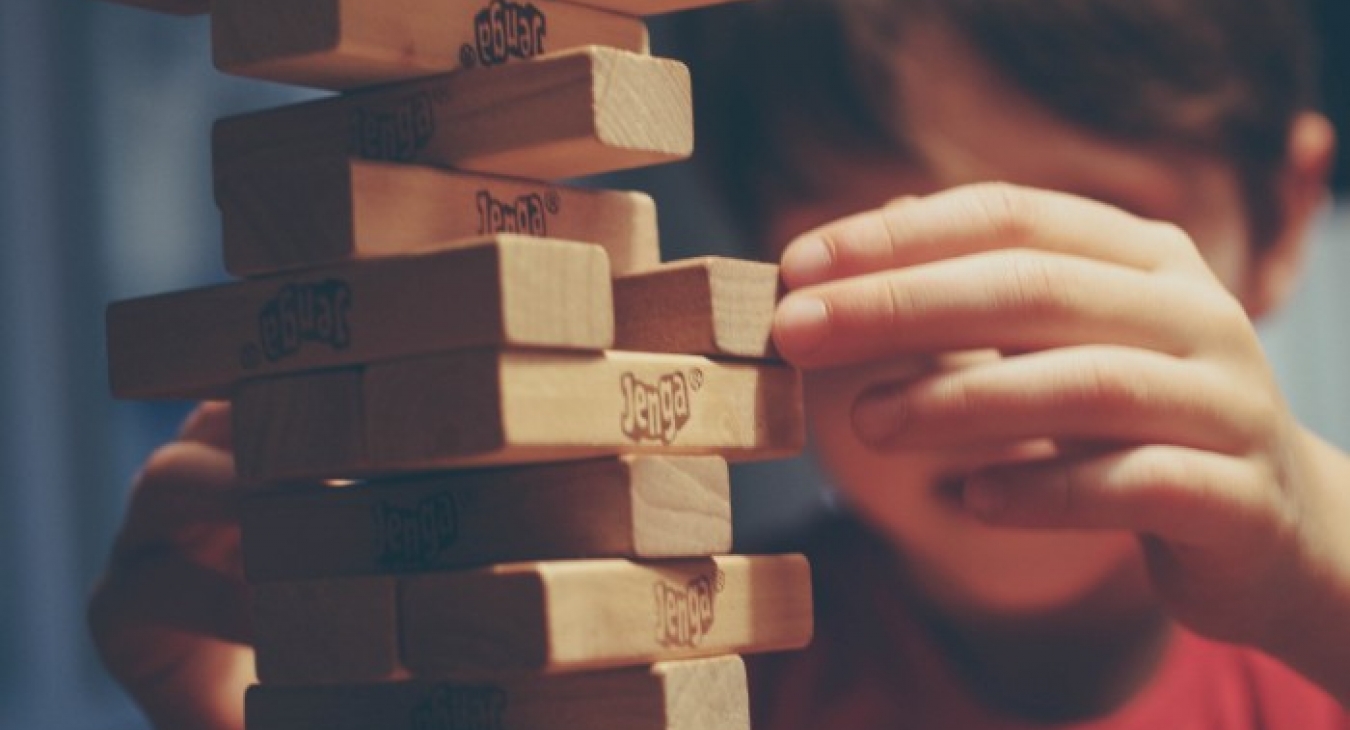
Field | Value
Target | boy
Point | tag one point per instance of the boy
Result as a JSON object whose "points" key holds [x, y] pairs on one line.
{"points": [[1024, 239]]}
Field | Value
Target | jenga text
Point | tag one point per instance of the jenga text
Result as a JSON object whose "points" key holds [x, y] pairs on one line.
{"points": [[527, 214], [654, 412], [302, 313], [461, 708], [684, 614], [414, 538], [504, 30], [394, 132]]}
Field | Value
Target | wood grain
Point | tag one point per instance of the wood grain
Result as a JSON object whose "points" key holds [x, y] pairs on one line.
{"points": [[512, 406], [348, 44], [567, 115], [302, 212], [633, 506], [705, 306], [327, 631], [576, 615], [499, 290], [696, 694]]}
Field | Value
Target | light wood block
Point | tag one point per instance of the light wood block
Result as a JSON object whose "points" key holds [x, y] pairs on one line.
{"points": [[633, 506], [591, 614], [173, 7], [500, 290], [347, 44], [512, 406], [302, 212], [327, 631], [706, 306], [697, 694], [566, 115]]}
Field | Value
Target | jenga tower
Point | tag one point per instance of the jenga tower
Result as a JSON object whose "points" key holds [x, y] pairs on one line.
{"points": [[484, 429]]}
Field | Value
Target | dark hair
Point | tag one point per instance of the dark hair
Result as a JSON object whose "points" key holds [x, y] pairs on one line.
{"points": [[1223, 77]]}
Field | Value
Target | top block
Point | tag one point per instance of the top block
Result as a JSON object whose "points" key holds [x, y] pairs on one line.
{"points": [[347, 44], [627, 7], [577, 113]]}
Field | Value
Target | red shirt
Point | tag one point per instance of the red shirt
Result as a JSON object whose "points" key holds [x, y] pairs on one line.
{"points": [[864, 673]]}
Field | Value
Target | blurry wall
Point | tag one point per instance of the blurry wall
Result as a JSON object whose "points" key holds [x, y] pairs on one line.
{"points": [[105, 193]]}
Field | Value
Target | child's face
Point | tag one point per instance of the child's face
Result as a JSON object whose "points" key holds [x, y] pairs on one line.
{"points": [[968, 125]]}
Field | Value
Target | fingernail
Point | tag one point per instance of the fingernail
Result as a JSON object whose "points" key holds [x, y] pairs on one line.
{"points": [[800, 324], [806, 261], [983, 497], [879, 415]]}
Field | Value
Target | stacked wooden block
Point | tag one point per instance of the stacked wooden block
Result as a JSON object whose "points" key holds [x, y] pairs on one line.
{"points": [[484, 428]]}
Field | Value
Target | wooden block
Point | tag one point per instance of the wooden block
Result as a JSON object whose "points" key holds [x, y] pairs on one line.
{"points": [[504, 289], [302, 212], [705, 306], [346, 44], [173, 7], [327, 631], [512, 406], [649, 7], [591, 614], [696, 694], [634, 506], [566, 115]]}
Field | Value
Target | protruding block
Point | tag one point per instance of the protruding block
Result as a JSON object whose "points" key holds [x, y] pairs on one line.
{"points": [[696, 694], [575, 615], [346, 44], [633, 506], [328, 631], [706, 306], [512, 406], [576, 113], [501, 290], [302, 212]]}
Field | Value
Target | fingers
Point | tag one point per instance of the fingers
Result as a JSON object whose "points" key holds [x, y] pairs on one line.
{"points": [[186, 495], [1071, 394], [209, 424], [980, 218], [1184, 496], [166, 590], [1015, 299]]}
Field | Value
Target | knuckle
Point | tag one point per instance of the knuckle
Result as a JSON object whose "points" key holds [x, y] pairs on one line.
{"points": [[1010, 212], [1106, 385], [1034, 286]]}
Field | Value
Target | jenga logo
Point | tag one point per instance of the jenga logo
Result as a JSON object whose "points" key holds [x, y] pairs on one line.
{"points": [[395, 133], [685, 614], [414, 538], [527, 214], [657, 412], [461, 708], [504, 30], [302, 313]]}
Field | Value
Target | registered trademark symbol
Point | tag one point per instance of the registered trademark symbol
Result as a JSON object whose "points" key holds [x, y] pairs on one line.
{"points": [[249, 357], [695, 379], [720, 581], [552, 202], [467, 56]]}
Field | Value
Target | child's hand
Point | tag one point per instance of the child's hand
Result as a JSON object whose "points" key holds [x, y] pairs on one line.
{"points": [[170, 616], [1124, 351]]}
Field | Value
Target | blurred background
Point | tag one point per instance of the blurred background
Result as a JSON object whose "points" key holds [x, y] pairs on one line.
{"points": [[105, 115]]}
